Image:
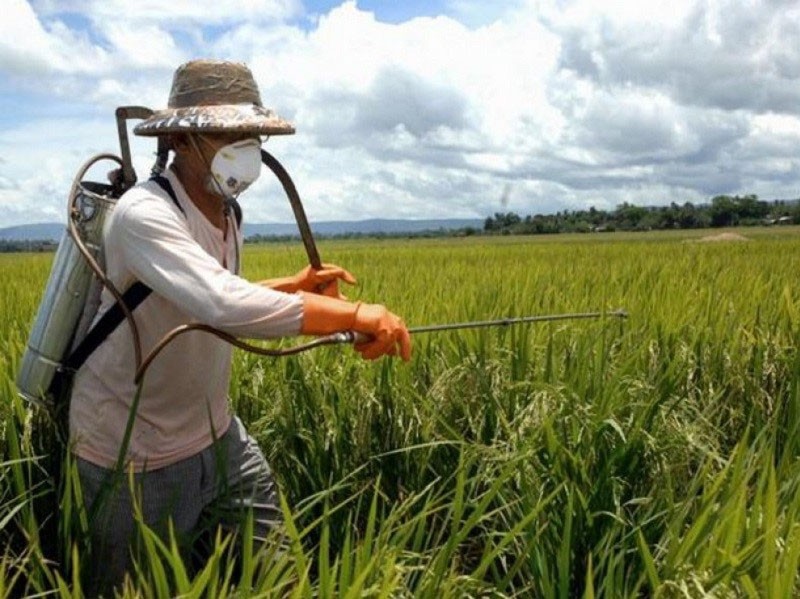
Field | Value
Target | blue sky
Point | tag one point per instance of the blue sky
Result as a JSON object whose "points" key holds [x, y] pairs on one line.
{"points": [[425, 109], [387, 10]]}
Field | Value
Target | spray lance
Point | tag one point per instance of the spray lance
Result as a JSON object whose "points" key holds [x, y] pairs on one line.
{"points": [[345, 337]]}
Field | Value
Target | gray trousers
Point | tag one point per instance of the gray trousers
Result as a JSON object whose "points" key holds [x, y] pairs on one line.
{"points": [[216, 488]]}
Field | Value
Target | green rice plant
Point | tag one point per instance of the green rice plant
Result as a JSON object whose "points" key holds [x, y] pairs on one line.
{"points": [[652, 457]]}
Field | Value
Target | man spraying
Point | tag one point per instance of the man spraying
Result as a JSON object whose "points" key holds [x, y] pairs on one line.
{"points": [[191, 458]]}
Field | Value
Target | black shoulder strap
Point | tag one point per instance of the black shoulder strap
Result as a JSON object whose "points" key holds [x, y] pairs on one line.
{"points": [[237, 213], [164, 184], [133, 296]]}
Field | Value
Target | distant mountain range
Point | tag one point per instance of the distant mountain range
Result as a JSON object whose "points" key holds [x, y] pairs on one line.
{"points": [[53, 231]]}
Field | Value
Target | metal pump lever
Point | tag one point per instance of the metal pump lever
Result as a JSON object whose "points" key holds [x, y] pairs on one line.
{"points": [[297, 207]]}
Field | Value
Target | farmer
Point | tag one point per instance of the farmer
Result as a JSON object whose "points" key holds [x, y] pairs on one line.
{"points": [[192, 461]]}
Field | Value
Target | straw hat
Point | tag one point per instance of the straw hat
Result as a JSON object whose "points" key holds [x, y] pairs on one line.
{"points": [[214, 96]]}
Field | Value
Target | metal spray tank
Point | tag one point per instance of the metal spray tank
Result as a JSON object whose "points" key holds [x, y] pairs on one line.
{"points": [[72, 294]]}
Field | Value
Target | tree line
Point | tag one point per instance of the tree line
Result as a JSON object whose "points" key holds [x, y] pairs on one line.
{"points": [[723, 211], [27, 245]]}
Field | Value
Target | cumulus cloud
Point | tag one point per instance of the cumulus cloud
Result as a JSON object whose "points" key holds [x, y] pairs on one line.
{"points": [[176, 13], [566, 103], [399, 114], [28, 48], [720, 54], [400, 98]]}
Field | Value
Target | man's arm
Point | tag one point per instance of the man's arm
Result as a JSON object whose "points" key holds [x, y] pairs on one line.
{"points": [[159, 250]]}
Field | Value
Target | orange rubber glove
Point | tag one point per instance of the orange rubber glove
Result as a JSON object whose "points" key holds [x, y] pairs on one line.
{"points": [[324, 281], [387, 333]]}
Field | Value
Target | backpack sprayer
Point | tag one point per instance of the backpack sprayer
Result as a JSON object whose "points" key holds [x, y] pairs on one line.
{"points": [[72, 295], [77, 277]]}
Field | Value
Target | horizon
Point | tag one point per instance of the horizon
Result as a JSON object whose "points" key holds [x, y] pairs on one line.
{"points": [[363, 221]]}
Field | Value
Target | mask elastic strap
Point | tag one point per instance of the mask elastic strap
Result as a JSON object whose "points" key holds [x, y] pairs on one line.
{"points": [[227, 201], [222, 193]]}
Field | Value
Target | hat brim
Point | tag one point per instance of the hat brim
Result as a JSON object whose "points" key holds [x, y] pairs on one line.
{"points": [[225, 118]]}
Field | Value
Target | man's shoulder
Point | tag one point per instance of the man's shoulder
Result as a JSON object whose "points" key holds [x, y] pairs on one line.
{"points": [[146, 200]]}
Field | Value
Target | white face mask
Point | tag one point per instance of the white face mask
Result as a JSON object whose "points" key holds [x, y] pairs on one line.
{"points": [[235, 167]]}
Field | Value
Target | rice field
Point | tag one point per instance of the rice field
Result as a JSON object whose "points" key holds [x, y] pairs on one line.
{"points": [[653, 457]]}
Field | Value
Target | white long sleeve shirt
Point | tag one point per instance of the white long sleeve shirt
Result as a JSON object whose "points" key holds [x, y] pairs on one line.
{"points": [[188, 263]]}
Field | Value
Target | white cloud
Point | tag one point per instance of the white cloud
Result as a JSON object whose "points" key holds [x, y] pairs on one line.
{"points": [[565, 102], [175, 13], [28, 48], [143, 47], [715, 53]]}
